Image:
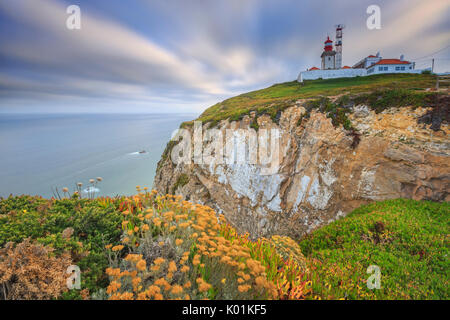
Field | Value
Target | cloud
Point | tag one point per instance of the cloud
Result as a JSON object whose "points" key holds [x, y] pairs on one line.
{"points": [[405, 27], [102, 50], [108, 59], [180, 55]]}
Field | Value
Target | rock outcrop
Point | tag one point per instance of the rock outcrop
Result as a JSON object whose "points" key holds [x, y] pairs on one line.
{"points": [[324, 173]]}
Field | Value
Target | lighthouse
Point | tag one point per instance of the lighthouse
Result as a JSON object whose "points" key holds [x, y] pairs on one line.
{"points": [[333, 67], [328, 56], [339, 28]]}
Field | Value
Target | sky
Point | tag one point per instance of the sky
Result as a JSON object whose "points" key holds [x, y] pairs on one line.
{"points": [[165, 56]]}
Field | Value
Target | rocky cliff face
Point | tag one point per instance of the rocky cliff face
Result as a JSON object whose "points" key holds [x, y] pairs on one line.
{"points": [[324, 173]]}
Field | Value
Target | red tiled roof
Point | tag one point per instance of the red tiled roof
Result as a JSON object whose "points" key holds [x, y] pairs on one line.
{"points": [[313, 68], [391, 61], [346, 67]]}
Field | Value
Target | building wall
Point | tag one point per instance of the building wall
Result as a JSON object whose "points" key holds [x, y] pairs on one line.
{"points": [[328, 62], [330, 74], [392, 68], [370, 61], [338, 58], [367, 62], [348, 73]]}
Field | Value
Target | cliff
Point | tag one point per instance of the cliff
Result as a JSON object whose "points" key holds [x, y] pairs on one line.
{"points": [[342, 146]]}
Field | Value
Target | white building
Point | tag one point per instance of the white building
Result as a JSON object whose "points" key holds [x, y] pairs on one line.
{"points": [[332, 61], [391, 66], [367, 61]]}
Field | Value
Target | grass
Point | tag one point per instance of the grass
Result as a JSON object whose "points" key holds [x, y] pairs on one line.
{"points": [[407, 239], [380, 100], [277, 97]]}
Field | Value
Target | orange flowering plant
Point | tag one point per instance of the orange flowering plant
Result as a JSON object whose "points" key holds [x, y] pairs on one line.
{"points": [[178, 250]]}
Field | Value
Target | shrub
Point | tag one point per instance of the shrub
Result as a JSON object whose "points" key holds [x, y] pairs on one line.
{"points": [[254, 124], [380, 100], [154, 241], [177, 250], [282, 257], [30, 271], [336, 111], [94, 222], [182, 180]]}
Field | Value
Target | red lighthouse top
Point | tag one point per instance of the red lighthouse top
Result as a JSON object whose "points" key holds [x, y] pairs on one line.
{"points": [[328, 45]]}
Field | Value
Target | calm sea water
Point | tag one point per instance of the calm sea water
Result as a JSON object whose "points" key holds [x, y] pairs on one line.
{"points": [[40, 152]]}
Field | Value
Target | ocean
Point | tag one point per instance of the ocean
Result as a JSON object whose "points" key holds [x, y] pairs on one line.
{"points": [[40, 152]]}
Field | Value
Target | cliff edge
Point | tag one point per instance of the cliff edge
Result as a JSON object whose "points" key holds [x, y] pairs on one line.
{"points": [[342, 144]]}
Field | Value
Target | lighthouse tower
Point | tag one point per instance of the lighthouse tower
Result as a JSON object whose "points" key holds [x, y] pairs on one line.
{"points": [[328, 56], [339, 28]]}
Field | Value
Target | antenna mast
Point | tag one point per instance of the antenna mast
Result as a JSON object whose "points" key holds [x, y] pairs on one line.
{"points": [[338, 45]]}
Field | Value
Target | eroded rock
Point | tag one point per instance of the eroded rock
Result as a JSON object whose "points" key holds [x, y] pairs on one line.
{"points": [[322, 175]]}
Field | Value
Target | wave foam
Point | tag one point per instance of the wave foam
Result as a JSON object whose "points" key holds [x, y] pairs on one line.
{"points": [[91, 190]]}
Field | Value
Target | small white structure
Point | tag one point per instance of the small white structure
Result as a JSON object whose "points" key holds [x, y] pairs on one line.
{"points": [[332, 64]]}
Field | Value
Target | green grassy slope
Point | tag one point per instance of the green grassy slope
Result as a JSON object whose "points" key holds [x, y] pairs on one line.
{"points": [[280, 95], [408, 240]]}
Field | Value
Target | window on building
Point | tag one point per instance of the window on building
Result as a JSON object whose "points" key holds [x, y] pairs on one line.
{"points": [[380, 68], [397, 68], [403, 68], [385, 68]]}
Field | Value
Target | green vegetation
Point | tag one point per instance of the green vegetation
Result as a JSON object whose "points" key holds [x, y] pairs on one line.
{"points": [[279, 96], [377, 100], [380, 100], [166, 153], [182, 180], [159, 247], [254, 124], [337, 111], [95, 223], [141, 247], [407, 239]]}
